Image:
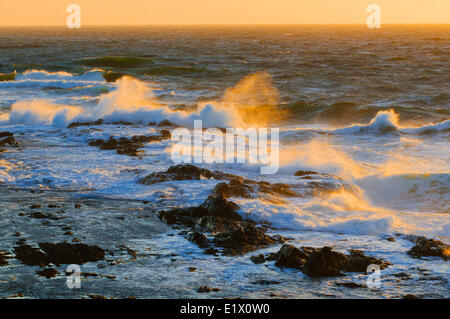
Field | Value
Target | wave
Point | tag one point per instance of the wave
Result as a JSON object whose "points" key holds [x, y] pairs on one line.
{"points": [[131, 101]]}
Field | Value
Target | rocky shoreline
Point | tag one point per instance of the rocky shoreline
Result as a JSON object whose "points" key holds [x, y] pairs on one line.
{"points": [[45, 231]]}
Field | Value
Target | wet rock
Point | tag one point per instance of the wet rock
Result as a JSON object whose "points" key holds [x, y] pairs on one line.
{"points": [[92, 123], [410, 296], [211, 251], [30, 256], [47, 272], [204, 289], [77, 205], [61, 253], [350, 285], [11, 141], [259, 259], [242, 239], [184, 172], [65, 253], [6, 134], [303, 173], [358, 262], [219, 206], [35, 206], [167, 123], [324, 262], [235, 188], [429, 248], [198, 238], [128, 146], [111, 76], [290, 257], [39, 215], [219, 217], [97, 297], [4, 256], [402, 276]]}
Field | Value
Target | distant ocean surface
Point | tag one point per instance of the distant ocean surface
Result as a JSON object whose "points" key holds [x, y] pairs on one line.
{"points": [[367, 109]]}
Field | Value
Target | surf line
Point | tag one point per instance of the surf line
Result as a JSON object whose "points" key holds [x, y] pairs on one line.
{"points": [[210, 146]]}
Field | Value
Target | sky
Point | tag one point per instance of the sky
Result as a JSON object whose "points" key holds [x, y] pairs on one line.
{"points": [[162, 12]]}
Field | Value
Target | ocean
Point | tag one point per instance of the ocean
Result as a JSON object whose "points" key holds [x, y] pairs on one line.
{"points": [[366, 111]]}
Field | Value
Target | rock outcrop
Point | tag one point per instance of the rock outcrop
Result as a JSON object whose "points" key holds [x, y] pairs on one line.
{"points": [[324, 262]]}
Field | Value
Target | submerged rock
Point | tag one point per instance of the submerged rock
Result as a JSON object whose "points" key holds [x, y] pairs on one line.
{"points": [[324, 262], [429, 248]]}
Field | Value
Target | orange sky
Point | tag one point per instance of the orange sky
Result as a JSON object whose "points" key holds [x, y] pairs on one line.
{"points": [[120, 12]]}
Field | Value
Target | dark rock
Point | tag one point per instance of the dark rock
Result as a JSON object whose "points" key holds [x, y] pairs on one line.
{"points": [[11, 141], [323, 262], [204, 289], [76, 124], [198, 238], [358, 262], [35, 206], [47, 272], [77, 205], [219, 217], [290, 256], [128, 146], [3, 258], [6, 134], [402, 276], [430, 248], [111, 76], [350, 285], [64, 253], [302, 173], [265, 282], [211, 251], [259, 259], [39, 215], [236, 188], [184, 172], [242, 239], [410, 296], [219, 206], [167, 123], [61, 253]]}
